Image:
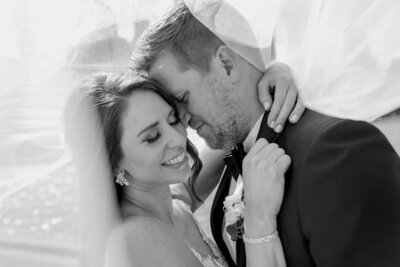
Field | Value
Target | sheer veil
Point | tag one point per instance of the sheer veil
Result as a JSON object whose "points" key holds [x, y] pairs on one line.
{"points": [[56, 211], [345, 55]]}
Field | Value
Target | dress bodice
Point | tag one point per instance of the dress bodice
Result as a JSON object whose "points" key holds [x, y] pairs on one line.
{"points": [[215, 260]]}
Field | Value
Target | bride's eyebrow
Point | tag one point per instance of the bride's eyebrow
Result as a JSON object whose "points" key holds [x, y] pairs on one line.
{"points": [[147, 128]]}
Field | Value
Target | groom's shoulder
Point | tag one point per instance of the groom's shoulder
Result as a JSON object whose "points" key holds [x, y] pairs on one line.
{"points": [[315, 119], [313, 122], [314, 126]]}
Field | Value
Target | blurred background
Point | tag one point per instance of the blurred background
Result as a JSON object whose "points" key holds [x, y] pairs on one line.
{"points": [[47, 47]]}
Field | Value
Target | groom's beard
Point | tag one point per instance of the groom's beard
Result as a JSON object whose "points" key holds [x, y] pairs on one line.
{"points": [[225, 135]]}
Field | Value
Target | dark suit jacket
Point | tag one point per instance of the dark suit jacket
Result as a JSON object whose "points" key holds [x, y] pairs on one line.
{"points": [[342, 195]]}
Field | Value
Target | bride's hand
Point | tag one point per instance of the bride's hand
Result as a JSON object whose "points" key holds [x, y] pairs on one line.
{"points": [[278, 92], [263, 180]]}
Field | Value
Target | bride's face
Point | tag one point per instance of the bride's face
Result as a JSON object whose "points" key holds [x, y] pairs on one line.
{"points": [[153, 141]]}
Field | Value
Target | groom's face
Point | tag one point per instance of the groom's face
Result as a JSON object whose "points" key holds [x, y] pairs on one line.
{"points": [[206, 96]]}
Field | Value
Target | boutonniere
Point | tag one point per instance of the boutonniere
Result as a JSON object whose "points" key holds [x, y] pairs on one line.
{"points": [[234, 211]]}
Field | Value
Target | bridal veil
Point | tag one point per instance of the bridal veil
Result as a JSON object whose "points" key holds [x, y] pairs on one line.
{"points": [[345, 55]]}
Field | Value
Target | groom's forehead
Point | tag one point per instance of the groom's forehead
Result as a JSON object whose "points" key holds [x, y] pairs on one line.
{"points": [[168, 61], [169, 71]]}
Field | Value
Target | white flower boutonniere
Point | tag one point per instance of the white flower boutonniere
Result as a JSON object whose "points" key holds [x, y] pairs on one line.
{"points": [[234, 210]]}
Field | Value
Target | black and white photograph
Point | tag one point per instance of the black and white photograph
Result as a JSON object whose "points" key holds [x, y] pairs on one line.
{"points": [[204, 133]]}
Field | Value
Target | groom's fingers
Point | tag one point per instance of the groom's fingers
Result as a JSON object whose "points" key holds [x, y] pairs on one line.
{"points": [[286, 108], [264, 94]]}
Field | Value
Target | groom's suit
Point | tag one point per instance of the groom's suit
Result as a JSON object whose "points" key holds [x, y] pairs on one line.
{"points": [[342, 195]]}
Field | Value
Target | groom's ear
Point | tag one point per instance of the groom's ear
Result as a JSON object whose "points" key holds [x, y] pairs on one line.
{"points": [[227, 60]]}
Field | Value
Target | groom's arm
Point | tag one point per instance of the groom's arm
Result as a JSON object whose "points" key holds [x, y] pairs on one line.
{"points": [[350, 197]]}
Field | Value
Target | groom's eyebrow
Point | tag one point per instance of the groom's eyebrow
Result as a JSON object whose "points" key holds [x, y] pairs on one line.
{"points": [[147, 128]]}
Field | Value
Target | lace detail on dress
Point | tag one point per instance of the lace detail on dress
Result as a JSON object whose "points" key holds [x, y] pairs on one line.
{"points": [[207, 261]]}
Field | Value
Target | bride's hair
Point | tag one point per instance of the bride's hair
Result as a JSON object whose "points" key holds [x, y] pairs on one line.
{"points": [[108, 93]]}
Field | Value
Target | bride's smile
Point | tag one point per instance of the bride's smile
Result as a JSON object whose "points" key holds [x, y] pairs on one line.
{"points": [[153, 141], [176, 161]]}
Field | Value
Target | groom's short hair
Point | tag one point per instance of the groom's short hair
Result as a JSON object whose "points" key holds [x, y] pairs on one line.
{"points": [[180, 33]]}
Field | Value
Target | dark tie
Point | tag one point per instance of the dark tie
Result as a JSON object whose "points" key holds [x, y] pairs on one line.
{"points": [[233, 161]]}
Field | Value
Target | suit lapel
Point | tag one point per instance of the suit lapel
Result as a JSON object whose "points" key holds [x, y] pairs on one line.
{"points": [[267, 132], [217, 215]]}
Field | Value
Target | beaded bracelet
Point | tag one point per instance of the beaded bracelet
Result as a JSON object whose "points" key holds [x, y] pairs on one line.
{"points": [[260, 240]]}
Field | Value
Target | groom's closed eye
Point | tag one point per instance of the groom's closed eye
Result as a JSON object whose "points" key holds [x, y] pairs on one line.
{"points": [[183, 98]]}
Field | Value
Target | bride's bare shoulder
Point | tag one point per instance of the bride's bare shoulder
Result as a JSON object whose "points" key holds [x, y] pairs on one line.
{"points": [[142, 230], [148, 241]]}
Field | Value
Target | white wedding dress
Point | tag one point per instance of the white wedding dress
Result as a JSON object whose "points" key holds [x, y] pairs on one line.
{"points": [[215, 260]]}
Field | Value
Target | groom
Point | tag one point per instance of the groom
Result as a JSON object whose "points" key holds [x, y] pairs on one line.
{"points": [[342, 197]]}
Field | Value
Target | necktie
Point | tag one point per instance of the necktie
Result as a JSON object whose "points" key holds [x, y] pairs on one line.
{"points": [[233, 161]]}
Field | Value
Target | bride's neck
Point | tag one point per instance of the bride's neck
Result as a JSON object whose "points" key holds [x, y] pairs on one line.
{"points": [[154, 200]]}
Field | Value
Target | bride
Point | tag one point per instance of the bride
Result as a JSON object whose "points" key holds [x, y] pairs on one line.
{"points": [[147, 148]]}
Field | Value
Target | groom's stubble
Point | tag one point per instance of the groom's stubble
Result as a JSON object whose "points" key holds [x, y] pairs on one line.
{"points": [[241, 109]]}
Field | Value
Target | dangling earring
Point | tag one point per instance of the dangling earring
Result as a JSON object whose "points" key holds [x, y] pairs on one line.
{"points": [[121, 180]]}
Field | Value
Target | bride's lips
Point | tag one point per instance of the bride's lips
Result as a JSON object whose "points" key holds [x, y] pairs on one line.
{"points": [[176, 161]]}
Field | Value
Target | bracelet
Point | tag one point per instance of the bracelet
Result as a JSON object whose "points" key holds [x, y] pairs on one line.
{"points": [[260, 240]]}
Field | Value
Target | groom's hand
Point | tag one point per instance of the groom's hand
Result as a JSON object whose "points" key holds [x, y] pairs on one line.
{"points": [[278, 92]]}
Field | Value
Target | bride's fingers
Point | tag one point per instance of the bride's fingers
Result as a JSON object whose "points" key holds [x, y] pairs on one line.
{"points": [[275, 154], [286, 109], [257, 147], [264, 94], [297, 111], [267, 152], [283, 162]]}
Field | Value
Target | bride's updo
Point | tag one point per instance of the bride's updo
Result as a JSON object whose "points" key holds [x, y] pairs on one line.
{"points": [[107, 94]]}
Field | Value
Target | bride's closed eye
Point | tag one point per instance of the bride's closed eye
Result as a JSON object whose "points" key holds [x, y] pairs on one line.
{"points": [[183, 98], [153, 136]]}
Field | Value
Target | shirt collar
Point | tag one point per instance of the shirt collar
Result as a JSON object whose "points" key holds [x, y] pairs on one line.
{"points": [[252, 136]]}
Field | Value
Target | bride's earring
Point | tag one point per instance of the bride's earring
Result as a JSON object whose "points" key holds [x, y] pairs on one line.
{"points": [[120, 178]]}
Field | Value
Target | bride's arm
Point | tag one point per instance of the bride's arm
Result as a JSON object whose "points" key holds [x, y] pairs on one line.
{"points": [[263, 180]]}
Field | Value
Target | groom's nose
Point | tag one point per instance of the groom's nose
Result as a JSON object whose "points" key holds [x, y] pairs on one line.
{"points": [[184, 116]]}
